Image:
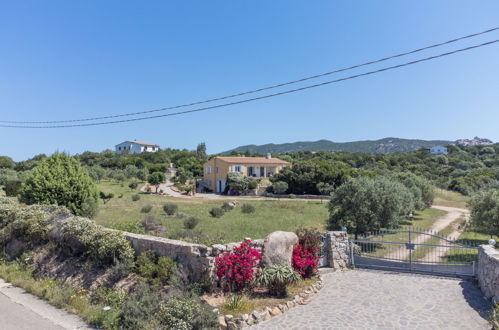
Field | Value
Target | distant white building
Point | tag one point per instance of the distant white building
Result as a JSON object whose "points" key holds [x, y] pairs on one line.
{"points": [[135, 147], [439, 150]]}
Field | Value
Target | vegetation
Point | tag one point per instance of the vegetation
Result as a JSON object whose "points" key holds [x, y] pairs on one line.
{"points": [[61, 180], [146, 208], [191, 223], [170, 208], [277, 278], [484, 208], [363, 204], [217, 212], [156, 179], [247, 208]]}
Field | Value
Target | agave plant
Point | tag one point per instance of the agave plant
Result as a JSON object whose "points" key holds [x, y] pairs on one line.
{"points": [[277, 278]]}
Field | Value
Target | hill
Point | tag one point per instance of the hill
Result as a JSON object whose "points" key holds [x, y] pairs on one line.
{"points": [[382, 146]]}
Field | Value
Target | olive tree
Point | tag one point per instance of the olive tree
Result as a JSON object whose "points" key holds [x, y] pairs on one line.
{"points": [[155, 179], [484, 208], [363, 204], [61, 180]]}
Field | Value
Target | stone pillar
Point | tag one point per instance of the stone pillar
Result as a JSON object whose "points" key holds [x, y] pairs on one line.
{"points": [[488, 272], [338, 249]]}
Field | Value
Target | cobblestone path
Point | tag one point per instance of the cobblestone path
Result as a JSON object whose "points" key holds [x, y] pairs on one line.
{"points": [[364, 299]]}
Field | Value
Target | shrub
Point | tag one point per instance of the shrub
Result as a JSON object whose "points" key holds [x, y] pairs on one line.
{"points": [[227, 207], [217, 212], [135, 197], [191, 223], [309, 238], [60, 180], [279, 187], [253, 184], [485, 211], [276, 278], [186, 313], [133, 185], [247, 208], [236, 270], [89, 208], [151, 223], [140, 309], [12, 188], [81, 236], [157, 270], [305, 262], [292, 196], [170, 208], [146, 208]]}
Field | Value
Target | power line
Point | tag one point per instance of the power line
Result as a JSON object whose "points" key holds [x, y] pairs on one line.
{"points": [[268, 95], [259, 89]]}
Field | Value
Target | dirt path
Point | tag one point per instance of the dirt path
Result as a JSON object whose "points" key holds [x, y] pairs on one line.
{"points": [[453, 213]]}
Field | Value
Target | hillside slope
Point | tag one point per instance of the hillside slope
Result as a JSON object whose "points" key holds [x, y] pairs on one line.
{"points": [[382, 146]]}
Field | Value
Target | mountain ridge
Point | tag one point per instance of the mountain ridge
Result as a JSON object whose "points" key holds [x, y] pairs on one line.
{"points": [[381, 146]]}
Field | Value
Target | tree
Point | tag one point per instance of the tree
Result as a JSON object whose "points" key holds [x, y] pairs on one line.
{"points": [[6, 162], [279, 187], [485, 211], [324, 189], [235, 181], [61, 180], [156, 179], [363, 204], [201, 151], [106, 197]]}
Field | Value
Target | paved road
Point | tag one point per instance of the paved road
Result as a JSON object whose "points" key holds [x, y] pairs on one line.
{"points": [[20, 310], [362, 299]]}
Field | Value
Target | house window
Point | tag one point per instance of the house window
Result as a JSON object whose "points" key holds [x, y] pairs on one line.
{"points": [[238, 168], [218, 170], [208, 170], [119, 148]]}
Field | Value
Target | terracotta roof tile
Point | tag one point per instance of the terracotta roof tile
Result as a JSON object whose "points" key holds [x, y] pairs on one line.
{"points": [[253, 160]]}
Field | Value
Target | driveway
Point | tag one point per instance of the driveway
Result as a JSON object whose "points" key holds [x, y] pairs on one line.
{"points": [[365, 299], [20, 310]]}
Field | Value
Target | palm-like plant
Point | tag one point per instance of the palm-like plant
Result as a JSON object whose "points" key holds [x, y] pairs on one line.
{"points": [[277, 278]]}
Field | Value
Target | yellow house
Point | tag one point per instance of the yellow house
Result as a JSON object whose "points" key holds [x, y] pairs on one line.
{"points": [[216, 169]]}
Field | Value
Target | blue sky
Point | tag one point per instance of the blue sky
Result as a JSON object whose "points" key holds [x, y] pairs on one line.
{"points": [[68, 59]]}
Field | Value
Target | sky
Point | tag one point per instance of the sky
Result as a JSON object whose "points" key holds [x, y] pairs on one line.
{"points": [[64, 60]]}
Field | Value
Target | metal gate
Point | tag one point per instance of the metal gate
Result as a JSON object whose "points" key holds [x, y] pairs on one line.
{"points": [[415, 251]]}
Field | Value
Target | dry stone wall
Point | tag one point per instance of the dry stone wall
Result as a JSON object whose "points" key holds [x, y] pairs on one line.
{"points": [[338, 249], [488, 272]]}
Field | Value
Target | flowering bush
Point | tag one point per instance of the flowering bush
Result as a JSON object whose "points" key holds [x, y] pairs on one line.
{"points": [[305, 261], [237, 270]]}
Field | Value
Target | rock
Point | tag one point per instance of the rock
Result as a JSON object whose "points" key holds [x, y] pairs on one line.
{"points": [[232, 326], [290, 304], [228, 318], [221, 322], [278, 248], [218, 249], [282, 307], [276, 311], [245, 317], [266, 315]]}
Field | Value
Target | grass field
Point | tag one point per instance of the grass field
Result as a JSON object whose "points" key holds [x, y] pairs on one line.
{"points": [[270, 215], [450, 198]]}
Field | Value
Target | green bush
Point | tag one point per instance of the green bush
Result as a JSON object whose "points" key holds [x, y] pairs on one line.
{"points": [[277, 278], [252, 184], [227, 207], [60, 180], [146, 208], [170, 208], [140, 309], [186, 313], [133, 185], [191, 223], [217, 212], [12, 188], [156, 270], [81, 236], [247, 208], [135, 197], [292, 196]]}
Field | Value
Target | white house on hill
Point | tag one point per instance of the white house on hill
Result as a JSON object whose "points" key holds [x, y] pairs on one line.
{"points": [[439, 150], [135, 147]]}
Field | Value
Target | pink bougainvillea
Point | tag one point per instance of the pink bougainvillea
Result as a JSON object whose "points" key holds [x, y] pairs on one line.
{"points": [[236, 270], [305, 261]]}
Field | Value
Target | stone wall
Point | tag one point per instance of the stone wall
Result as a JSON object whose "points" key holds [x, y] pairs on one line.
{"points": [[488, 272], [338, 249]]}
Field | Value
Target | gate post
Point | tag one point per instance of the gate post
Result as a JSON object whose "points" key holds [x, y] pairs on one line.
{"points": [[351, 246]]}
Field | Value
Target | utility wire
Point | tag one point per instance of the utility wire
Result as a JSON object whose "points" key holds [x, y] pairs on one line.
{"points": [[268, 95], [259, 89]]}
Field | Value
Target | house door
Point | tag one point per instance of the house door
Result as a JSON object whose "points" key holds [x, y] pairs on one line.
{"points": [[262, 171], [221, 186]]}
